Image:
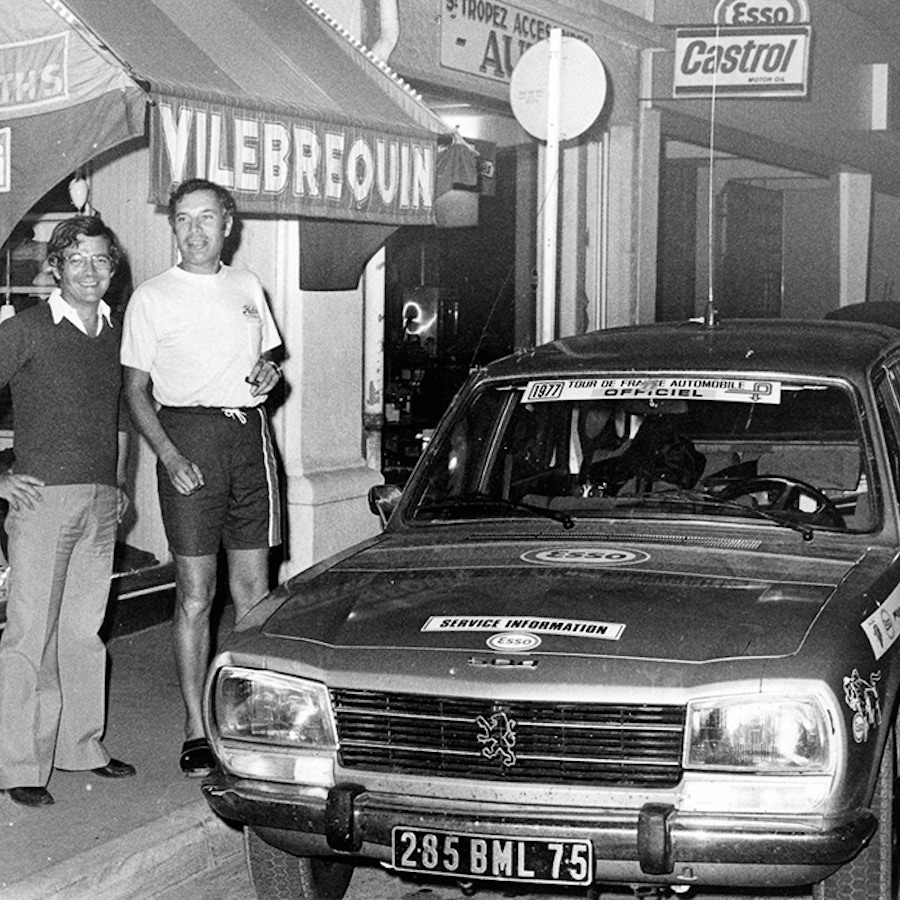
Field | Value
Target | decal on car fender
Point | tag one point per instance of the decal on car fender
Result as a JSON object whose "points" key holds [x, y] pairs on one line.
{"points": [[738, 390], [585, 556], [609, 631], [862, 698], [882, 628]]}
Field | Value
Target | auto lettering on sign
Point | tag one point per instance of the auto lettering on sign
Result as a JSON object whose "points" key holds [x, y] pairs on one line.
{"points": [[487, 38]]}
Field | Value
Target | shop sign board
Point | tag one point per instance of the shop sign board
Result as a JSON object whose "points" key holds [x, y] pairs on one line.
{"points": [[33, 74], [731, 61], [290, 165], [488, 37], [580, 100]]}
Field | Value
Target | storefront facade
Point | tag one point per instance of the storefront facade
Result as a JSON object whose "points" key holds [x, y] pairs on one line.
{"points": [[772, 203], [764, 187], [326, 152]]}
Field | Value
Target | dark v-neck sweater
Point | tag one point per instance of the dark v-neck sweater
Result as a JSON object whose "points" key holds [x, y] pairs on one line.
{"points": [[65, 391]]}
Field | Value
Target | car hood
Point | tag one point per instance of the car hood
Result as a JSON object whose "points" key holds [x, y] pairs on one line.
{"points": [[699, 602]]}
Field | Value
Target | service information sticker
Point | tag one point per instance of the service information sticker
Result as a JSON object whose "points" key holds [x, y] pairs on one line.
{"points": [[607, 631], [734, 390]]}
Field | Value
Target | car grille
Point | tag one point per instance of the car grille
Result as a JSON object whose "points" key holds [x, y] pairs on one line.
{"points": [[570, 743]]}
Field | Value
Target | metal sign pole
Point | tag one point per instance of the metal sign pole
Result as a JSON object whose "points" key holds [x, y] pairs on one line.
{"points": [[547, 318]]}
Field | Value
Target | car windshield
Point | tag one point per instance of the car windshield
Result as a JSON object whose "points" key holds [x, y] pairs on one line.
{"points": [[790, 451]]}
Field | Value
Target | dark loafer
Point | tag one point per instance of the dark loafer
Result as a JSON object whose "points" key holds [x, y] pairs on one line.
{"points": [[197, 758], [31, 796], [115, 768]]}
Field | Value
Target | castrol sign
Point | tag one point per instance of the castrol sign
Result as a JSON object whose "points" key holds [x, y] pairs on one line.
{"points": [[751, 62]]}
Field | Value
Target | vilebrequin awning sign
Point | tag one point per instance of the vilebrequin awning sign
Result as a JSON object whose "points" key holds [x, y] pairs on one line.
{"points": [[281, 162]]}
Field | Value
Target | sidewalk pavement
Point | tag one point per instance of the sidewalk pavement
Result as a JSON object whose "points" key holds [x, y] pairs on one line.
{"points": [[106, 839]]}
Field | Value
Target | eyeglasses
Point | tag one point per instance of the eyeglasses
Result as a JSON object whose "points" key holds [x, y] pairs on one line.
{"points": [[100, 261]]}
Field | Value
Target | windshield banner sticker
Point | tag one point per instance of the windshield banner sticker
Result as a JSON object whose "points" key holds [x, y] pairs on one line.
{"points": [[607, 631], [734, 390], [882, 628]]}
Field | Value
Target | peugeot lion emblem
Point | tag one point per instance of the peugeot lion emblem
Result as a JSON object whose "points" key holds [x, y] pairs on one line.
{"points": [[497, 735]]}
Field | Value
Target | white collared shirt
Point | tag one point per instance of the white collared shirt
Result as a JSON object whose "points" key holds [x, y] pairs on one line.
{"points": [[62, 309]]}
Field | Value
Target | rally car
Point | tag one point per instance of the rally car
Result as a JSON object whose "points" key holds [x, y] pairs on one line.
{"points": [[633, 621]]}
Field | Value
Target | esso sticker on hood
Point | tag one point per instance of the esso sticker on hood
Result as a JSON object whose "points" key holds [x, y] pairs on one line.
{"points": [[585, 556], [513, 641]]}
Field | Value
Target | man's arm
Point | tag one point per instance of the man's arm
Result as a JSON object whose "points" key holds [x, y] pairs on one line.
{"points": [[184, 475], [266, 373], [122, 499]]}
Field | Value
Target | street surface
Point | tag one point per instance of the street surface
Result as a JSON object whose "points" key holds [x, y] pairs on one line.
{"points": [[373, 883]]}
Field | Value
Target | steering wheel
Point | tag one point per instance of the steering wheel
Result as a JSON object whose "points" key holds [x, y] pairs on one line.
{"points": [[784, 495]]}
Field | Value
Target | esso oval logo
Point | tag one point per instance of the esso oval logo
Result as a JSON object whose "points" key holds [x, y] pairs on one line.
{"points": [[761, 12], [513, 641], [585, 556]]}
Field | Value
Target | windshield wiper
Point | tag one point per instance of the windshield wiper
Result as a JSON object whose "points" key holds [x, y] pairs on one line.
{"points": [[695, 496], [478, 499]]}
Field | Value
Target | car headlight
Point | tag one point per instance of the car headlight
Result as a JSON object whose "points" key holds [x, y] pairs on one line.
{"points": [[768, 735], [272, 727], [268, 708]]}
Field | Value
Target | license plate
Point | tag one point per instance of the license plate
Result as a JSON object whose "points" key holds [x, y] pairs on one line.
{"points": [[494, 857]]}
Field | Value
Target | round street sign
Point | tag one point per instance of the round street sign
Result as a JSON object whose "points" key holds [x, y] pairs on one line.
{"points": [[582, 95]]}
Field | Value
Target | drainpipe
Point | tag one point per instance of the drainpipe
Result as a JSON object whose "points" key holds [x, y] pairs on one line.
{"points": [[389, 33]]}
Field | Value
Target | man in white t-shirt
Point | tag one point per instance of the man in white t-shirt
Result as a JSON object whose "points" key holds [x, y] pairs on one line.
{"points": [[199, 349]]}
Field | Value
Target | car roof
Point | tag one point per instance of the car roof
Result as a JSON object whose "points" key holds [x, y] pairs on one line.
{"points": [[815, 348]]}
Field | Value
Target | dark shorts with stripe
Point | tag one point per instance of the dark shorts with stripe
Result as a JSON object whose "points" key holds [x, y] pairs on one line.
{"points": [[239, 506]]}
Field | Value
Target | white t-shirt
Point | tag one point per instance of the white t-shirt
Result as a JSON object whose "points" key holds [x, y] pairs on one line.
{"points": [[199, 336]]}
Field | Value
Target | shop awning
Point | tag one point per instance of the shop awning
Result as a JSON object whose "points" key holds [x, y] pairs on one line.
{"points": [[270, 98], [61, 104]]}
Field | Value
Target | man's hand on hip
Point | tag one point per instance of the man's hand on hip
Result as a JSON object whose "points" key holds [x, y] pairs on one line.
{"points": [[20, 490]]}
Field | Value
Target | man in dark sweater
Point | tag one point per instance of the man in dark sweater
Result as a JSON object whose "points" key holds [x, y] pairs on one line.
{"points": [[61, 361]]}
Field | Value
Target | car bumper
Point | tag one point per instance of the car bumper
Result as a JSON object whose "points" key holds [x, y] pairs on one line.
{"points": [[656, 844]]}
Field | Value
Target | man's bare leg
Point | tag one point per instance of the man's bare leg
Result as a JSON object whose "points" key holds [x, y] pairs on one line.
{"points": [[248, 578], [195, 588]]}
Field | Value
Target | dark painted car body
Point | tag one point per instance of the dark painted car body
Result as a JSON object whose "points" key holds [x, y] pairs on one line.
{"points": [[575, 682]]}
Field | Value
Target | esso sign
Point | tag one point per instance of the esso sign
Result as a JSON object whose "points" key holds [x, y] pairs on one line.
{"points": [[761, 12]]}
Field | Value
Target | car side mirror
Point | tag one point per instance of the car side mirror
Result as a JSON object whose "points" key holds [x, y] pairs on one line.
{"points": [[383, 500]]}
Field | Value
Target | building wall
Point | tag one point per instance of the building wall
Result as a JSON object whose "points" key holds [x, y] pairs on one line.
{"points": [[884, 275]]}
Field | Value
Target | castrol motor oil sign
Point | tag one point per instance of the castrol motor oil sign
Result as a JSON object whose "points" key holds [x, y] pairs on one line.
{"points": [[756, 48]]}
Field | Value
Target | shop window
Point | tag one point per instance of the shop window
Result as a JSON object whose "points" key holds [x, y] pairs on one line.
{"points": [[449, 306]]}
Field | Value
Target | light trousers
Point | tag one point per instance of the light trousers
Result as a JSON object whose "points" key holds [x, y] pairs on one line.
{"points": [[52, 660]]}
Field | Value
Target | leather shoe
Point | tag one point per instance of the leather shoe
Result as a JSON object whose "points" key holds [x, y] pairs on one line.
{"points": [[197, 758], [31, 796], [115, 768]]}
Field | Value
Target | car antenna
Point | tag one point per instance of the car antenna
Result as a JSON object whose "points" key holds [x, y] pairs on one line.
{"points": [[709, 317]]}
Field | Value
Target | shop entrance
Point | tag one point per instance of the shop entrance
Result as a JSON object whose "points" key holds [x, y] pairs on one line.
{"points": [[449, 306], [751, 261]]}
